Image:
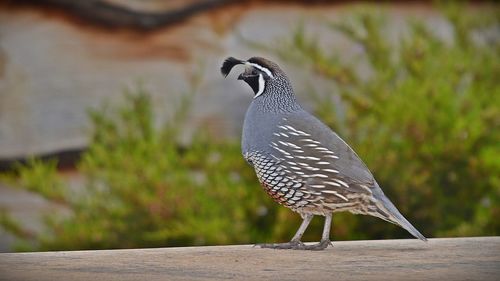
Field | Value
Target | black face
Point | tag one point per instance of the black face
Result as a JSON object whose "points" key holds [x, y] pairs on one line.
{"points": [[257, 72], [251, 76]]}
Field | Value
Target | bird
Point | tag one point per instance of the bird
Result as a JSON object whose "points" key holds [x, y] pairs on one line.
{"points": [[300, 162]]}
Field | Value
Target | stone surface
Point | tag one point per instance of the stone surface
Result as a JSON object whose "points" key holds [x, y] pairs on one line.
{"points": [[438, 259], [53, 68], [28, 209]]}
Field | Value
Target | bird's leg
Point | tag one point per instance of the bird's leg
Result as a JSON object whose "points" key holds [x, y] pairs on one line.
{"points": [[325, 238], [295, 242]]}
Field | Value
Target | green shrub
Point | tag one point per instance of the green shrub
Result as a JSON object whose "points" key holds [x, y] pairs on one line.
{"points": [[143, 189]]}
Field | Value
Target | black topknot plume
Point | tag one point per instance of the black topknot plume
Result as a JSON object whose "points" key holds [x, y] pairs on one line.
{"points": [[228, 64]]}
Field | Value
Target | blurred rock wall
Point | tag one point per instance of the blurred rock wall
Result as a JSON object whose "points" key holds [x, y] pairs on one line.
{"points": [[54, 65]]}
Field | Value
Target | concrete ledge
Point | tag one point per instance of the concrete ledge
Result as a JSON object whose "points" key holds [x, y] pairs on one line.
{"points": [[438, 259]]}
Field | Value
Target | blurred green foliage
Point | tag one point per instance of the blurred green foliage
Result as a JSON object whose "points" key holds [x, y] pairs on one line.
{"points": [[424, 114], [143, 189]]}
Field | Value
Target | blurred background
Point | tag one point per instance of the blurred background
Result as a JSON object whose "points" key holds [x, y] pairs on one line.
{"points": [[117, 129]]}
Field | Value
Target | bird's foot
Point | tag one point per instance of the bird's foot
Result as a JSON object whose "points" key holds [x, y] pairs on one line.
{"points": [[294, 244], [297, 245], [323, 244]]}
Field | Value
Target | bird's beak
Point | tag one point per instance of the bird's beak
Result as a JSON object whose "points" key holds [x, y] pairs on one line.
{"points": [[248, 73]]}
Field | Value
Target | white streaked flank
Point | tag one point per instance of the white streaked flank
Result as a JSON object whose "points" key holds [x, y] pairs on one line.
{"points": [[303, 133], [277, 158], [332, 183], [332, 156], [330, 170], [342, 182], [366, 188], [309, 158], [310, 140], [316, 176], [313, 169], [280, 150], [283, 143], [336, 194], [293, 145]]}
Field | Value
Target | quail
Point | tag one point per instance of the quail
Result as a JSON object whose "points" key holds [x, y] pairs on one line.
{"points": [[300, 162]]}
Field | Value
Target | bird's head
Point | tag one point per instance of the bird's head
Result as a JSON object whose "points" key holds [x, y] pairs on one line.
{"points": [[260, 73]]}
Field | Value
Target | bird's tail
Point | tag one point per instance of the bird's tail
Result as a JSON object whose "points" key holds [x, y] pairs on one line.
{"points": [[387, 211]]}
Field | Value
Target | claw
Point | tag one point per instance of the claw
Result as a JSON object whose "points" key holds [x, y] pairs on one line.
{"points": [[323, 244], [297, 245]]}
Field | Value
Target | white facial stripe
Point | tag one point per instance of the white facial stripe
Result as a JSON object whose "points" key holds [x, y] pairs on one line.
{"points": [[267, 71], [261, 85]]}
